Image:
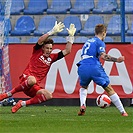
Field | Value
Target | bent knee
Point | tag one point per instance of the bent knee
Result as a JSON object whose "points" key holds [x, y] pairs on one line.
{"points": [[49, 96], [31, 80], [46, 93]]}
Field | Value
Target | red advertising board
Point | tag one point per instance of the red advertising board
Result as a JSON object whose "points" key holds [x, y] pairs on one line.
{"points": [[62, 79]]}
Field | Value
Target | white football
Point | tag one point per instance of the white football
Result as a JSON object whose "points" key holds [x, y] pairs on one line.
{"points": [[103, 101]]}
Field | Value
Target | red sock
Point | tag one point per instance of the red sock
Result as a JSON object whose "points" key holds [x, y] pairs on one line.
{"points": [[21, 87], [37, 99]]}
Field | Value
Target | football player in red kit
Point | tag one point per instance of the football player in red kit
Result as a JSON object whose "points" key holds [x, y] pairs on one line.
{"points": [[38, 67]]}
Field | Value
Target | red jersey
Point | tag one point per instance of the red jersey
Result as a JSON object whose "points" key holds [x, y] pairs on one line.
{"points": [[39, 64]]}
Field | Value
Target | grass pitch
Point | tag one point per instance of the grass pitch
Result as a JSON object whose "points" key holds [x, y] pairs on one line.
{"points": [[64, 119]]}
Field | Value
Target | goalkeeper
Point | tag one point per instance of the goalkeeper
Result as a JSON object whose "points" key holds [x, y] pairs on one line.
{"points": [[38, 67]]}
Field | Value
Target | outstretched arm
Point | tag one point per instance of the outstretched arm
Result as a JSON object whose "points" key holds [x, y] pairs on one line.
{"points": [[107, 57], [58, 27], [70, 39]]}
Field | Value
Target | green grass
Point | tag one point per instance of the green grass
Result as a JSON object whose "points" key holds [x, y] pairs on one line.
{"points": [[63, 119]]}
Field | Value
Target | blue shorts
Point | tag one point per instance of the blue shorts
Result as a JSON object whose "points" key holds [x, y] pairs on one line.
{"points": [[88, 72]]}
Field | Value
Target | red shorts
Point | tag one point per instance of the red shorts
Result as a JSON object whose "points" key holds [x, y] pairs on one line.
{"points": [[31, 92]]}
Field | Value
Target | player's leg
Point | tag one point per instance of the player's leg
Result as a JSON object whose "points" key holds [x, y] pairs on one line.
{"points": [[40, 95], [25, 84], [115, 100], [84, 78], [103, 80], [83, 96]]}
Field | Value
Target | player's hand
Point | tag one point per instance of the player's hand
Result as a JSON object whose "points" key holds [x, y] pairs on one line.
{"points": [[71, 30], [120, 59], [58, 27]]}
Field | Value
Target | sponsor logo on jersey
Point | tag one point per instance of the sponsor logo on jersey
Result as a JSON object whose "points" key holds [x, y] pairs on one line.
{"points": [[45, 61]]}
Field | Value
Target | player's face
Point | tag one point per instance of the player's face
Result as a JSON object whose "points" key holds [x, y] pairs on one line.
{"points": [[104, 35], [47, 49]]}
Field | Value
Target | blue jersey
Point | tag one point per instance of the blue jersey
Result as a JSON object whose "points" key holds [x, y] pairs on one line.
{"points": [[90, 68], [91, 50]]}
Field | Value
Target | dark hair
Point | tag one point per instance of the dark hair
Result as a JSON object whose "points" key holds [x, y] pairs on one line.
{"points": [[48, 41], [100, 28]]}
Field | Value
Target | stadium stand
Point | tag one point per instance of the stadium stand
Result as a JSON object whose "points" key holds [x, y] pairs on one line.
{"points": [[59, 39], [114, 25], [81, 39], [9, 24], [67, 21], [90, 24], [105, 6], [108, 39], [130, 31], [76, 7], [82, 7], [128, 7], [13, 40], [32, 40], [129, 39], [45, 24], [59, 7], [24, 26], [17, 7], [36, 7], [0, 6]]}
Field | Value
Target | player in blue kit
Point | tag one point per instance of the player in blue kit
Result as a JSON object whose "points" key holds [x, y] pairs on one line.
{"points": [[90, 68]]}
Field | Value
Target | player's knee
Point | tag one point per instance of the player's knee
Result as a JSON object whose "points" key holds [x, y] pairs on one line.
{"points": [[46, 93], [31, 80], [49, 96]]}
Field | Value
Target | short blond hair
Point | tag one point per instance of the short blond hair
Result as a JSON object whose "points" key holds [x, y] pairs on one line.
{"points": [[100, 28]]}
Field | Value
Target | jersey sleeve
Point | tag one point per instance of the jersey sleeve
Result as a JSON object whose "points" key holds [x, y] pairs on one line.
{"points": [[36, 47], [58, 56], [101, 47]]}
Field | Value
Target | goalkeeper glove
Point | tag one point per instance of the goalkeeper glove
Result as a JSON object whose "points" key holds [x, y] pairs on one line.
{"points": [[71, 32], [57, 28]]}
